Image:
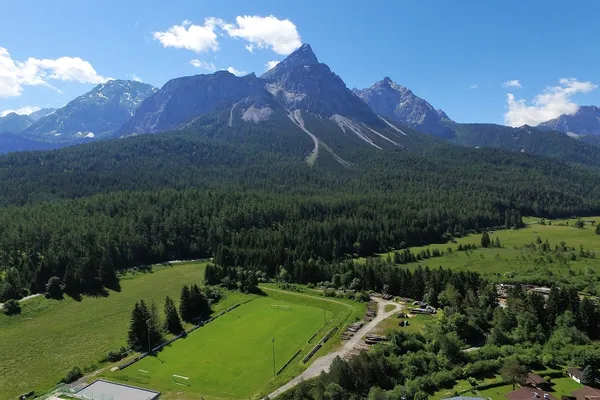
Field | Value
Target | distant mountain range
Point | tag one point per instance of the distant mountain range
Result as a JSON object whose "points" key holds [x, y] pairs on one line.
{"points": [[301, 98], [586, 121]]}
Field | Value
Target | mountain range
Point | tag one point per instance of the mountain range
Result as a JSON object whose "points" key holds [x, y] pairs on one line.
{"points": [[303, 100]]}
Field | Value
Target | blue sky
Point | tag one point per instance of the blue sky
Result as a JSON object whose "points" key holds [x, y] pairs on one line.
{"points": [[455, 54]]}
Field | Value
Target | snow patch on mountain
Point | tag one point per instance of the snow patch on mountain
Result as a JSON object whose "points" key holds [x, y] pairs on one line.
{"points": [[346, 123]]}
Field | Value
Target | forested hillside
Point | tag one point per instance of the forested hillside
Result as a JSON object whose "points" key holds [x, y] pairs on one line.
{"points": [[180, 195]]}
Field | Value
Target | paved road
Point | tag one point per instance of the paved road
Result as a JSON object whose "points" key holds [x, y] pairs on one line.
{"points": [[323, 363]]}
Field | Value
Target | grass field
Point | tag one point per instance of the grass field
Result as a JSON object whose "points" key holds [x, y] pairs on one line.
{"points": [[49, 337], [518, 264], [231, 357], [417, 323]]}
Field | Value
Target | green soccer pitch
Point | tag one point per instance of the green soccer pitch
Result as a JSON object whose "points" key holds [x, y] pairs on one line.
{"points": [[231, 357]]}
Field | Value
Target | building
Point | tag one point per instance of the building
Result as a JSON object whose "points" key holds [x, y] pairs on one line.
{"points": [[536, 381], [464, 398], [587, 393], [575, 374], [102, 389], [528, 393]]}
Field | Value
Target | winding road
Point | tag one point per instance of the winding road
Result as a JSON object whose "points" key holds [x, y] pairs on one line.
{"points": [[323, 363]]}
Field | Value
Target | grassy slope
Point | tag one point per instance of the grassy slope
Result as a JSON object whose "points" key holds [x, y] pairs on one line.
{"points": [[493, 261], [39, 346], [232, 356]]}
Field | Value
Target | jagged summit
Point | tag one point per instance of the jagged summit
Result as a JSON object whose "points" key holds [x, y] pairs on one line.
{"points": [[396, 102]]}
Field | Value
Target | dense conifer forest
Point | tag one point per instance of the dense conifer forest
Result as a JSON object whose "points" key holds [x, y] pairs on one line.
{"points": [[83, 213]]}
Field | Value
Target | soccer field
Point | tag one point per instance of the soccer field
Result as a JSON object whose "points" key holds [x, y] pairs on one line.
{"points": [[231, 357]]}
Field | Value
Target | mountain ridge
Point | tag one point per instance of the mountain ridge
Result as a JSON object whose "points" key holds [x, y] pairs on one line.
{"points": [[586, 121]]}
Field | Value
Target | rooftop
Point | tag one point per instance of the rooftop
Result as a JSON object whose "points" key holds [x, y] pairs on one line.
{"points": [[587, 393], [528, 393], [117, 391]]}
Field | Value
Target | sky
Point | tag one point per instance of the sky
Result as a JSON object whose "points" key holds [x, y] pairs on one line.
{"points": [[506, 62]]}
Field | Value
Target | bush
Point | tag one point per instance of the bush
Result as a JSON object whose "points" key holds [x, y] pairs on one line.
{"points": [[54, 288], [310, 285], [74, 374], [12, 307]]}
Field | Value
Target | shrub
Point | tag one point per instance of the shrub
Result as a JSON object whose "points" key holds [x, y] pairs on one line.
{"points": [[74, 374], [310, 285], [12, 307], [54, 288]]}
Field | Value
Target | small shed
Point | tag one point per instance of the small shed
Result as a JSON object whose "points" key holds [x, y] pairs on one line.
{"points": [[575, 374], [102, 389]]}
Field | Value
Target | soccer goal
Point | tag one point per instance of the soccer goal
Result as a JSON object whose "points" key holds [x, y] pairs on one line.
{"points": [[180, 380], [280, 307], [143, 373]]}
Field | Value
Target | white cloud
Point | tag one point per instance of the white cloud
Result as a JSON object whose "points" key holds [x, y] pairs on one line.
{"points": [[270, 65], [25, 110], [136, 78], [250, 48], [266, 32], [197, 38], [552, 103], [203, 65], [512, 83], [236, 71], [475, 86], [35, 72]]}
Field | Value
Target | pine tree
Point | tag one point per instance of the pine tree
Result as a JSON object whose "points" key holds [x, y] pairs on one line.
{"points": [[598, 229], [172, 320], [155, 325], [185, 306], [200, 306], [138, 327], [485, 240], [497, 242]]}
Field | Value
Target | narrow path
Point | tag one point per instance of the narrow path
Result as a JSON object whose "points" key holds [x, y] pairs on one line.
{"points": [[323, 363], [33, 296]]}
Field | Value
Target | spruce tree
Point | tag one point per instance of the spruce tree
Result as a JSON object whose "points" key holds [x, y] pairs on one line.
{"points": [[172, 320], [200, 305], [485, 240], [155, 325], [185, 306], [138, 327], [598, 229], [497, 242]]}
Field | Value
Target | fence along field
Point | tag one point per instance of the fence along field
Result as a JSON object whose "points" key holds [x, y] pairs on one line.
{"points": [[231, 357], [69, 332]]}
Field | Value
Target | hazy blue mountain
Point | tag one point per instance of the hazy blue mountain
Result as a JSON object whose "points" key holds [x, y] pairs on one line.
{"points": [[15, 123], [41, 113], [586, 121], [93, 115]]}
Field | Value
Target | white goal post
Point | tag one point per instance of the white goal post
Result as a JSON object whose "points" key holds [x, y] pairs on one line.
{"points": [[281, 307], [180, 380], [144, 373]]}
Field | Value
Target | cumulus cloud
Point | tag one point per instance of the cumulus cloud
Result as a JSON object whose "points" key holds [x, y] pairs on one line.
{"points": [[25, 110], [136, 78], [512, 83], [474, 86], [270, 65], [197, 38], [236, 71], [14, 75], [208, 66], [281, 36], [552, 103]]}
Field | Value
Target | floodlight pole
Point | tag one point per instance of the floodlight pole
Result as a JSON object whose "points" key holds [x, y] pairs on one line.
{"points": [[148, 326], [273, 341]]}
